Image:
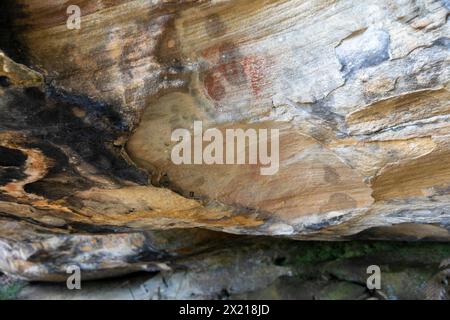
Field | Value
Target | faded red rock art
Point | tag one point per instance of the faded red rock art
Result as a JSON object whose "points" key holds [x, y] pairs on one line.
{"points": [[228, 67]]}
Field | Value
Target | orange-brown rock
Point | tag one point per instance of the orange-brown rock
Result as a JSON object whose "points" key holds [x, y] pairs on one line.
{"points": [[359, 92]]}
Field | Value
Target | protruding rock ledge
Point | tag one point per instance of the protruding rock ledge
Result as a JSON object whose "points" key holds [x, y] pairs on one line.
{"points": [[359, 93]]}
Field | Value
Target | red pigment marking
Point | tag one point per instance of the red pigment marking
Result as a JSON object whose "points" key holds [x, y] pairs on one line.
{"points": [[210, 52], [207, 52], [235, 71], [214, 86], [254, 68]]}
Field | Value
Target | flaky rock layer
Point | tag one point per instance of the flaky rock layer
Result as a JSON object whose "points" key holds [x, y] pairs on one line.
{"points": [[359, 91]]}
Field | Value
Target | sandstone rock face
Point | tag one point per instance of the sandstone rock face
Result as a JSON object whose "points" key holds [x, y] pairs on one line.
{"points": [[278, 269], [358, 90]]}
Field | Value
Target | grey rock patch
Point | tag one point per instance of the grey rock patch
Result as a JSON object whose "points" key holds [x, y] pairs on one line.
{"points": [[363, 50]]}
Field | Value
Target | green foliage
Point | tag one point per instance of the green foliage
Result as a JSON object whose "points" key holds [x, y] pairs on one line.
{"points": [[10, 291], [316, 252]]}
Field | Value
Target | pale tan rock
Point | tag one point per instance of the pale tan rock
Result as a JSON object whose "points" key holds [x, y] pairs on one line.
{"points": [[358, 90]]}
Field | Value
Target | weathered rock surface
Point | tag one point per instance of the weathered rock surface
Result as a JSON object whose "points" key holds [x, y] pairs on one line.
{"points": [[277, 269], [358, 90]]}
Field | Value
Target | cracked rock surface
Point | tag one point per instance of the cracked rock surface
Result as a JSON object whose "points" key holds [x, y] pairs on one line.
{"points": [[359, 91]]}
